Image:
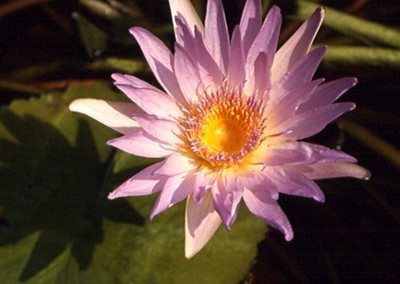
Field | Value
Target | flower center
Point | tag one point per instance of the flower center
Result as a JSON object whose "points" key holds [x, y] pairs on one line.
{"points": [[224, 134], [224, 127]]}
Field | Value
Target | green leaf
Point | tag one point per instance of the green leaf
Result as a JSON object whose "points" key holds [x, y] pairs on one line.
{"points": [[125, 65], [50, 165], [363, 56], [57, 225], [363, 30]]}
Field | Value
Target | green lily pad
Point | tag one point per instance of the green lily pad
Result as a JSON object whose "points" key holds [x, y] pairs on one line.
{"points": [[57, 225]]}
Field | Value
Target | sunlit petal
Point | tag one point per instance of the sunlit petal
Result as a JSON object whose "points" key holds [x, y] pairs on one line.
{"points": [[297, 46], [115, 115], [201, 223]]}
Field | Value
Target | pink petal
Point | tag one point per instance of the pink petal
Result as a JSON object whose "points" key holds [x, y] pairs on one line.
{"points": [[210, 72], [152, 101], [141, 144], [175, 189], [255, 180], [143, 183], [227, 195], [236, 71], [297, 153], [115, 115], [267, 209], [297, 45], [194, 48], [201, 223], [186, 36], [164, 130], [327, 93], [290, 102], [188, 75], [216, 34], [176, 163], [185, 9], [132, 80], [259, 78], [250, 23], [266, 41], [313, 121], [291, 182], [339, 169], [202, 183], [160, 60], [300, 73]]}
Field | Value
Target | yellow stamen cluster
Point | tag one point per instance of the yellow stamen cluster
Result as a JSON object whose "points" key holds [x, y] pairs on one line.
{"points": [[223, 127]]}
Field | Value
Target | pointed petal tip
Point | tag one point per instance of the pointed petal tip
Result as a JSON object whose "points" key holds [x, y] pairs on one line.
{"points": [[75, 105], [186, 9], [357, 171], [319, 51], [117, 77], [195, 243], [152, 215], [111, 141], [134, 30], [201, 223], [275, 9], [289, 235], [228, 227], [190, 252], [112, 114], [69, 106], [367, 175], [112, 195], [320, 11], [287, 230], [319, 198]]}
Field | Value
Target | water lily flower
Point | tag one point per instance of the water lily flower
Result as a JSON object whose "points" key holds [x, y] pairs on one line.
{"points": [[228, 120]]}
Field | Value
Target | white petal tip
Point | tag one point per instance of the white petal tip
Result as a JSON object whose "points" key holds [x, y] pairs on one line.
{"points": [[192, 247], [201, 223], [76, 104], [112, 195], [367, 175], [189, 253]]}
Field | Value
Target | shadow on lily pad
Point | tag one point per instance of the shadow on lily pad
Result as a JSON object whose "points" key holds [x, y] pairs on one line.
{"points": [[57, 189]]}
